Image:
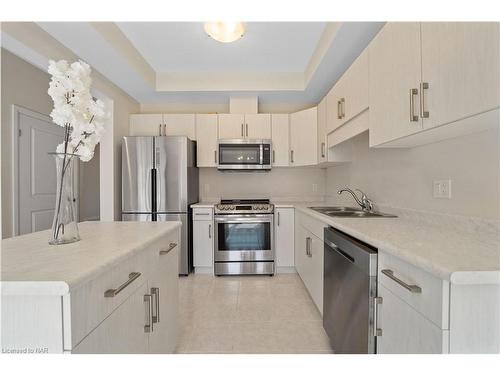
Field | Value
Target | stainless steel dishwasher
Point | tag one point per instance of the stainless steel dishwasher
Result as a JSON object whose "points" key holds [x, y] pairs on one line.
{"points": [[349, 293]]}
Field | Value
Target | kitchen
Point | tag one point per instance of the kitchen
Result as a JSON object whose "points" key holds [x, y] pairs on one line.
{"points": [[235, 223]]}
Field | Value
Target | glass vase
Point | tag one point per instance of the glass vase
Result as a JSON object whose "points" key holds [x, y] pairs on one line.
{"points": [[65, 226]]}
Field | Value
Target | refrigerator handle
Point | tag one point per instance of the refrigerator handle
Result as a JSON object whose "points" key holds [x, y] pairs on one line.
{"points": [[157, 195]]}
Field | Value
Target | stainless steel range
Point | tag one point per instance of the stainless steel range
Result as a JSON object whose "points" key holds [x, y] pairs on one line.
{"points": [[244, 237]]}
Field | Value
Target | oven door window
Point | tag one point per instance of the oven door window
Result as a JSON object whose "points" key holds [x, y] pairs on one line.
{"points": [[244, 236], [239, 154]]}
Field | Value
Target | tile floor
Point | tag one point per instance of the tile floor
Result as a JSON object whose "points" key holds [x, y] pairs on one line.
{"points": [[251, 314]]}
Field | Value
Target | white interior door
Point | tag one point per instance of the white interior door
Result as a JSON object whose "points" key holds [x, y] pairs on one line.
{"points": [[36, 172]]}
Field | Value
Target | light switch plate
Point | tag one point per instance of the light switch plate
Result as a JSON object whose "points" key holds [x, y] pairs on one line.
{"points": [[442, 189]]}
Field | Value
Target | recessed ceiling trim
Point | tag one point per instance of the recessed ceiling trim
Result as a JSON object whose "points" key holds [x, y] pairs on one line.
{"points": [[230, 82]]}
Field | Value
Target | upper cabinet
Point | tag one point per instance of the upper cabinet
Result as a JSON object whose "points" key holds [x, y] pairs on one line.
{"points": [[163, 124], [206, 131], [244, 126], [280, 129], [424, 75], [322, 130], [304, 137], [349, 97]]}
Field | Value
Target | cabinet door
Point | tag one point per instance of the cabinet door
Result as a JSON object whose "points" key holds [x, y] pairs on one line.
{"points": [[304, 137], [284, 236], [123, 331], [180, 124], [333, 111], [394, 70], [280, 130], [355, 88], [315, 268], [300, 255], [231, 126], [203, 243], [206, 144], [404, 330], [145, 124], [163, 287], [258, 126], [460, 62], [322, 130]]}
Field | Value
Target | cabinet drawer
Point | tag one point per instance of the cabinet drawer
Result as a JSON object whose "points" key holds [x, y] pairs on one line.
{"points": [[203, 214], [314, 226], [432, 301]]}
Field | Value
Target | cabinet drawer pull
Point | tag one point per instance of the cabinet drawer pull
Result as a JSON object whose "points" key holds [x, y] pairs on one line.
{"points": [[155, 292], [131, 277], [376, 331], [170, 247], [209, 230], [148, 298], [423, 113], [411, 288], [202, 214], [413, 116]]}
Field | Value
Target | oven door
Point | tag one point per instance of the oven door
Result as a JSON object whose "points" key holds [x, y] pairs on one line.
{"points": [[243, 155], [244, 238]]}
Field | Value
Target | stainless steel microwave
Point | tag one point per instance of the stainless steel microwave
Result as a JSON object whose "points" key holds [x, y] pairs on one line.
{"points": [[244, 154]]}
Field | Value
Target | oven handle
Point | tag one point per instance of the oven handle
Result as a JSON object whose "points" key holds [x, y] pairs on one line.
{"points": [[243, 218]]}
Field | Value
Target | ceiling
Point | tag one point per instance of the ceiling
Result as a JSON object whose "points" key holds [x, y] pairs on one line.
{"points": [[176, 62]]}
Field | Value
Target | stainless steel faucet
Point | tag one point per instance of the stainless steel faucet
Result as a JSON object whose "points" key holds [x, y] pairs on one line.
{"points": [[365, 203]]}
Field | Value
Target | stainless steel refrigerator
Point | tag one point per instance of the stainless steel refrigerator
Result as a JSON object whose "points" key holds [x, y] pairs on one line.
{"points": [[159, 183]]}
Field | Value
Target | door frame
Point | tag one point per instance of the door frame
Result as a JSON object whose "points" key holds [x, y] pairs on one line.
{"points": [[17, 110]]}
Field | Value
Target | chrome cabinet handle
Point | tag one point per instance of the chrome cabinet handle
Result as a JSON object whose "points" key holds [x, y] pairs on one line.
{"points": [[423, 113], [131, 277], [411, 288], [376, 301], [242, 134], [155, 292], [291, 156], [278, 219], [274, 157], [308, 247], [170, 248], [202, 214], [215, 156], [413, 116], [323, 149], [342, 107], [209, 230], [339, 115], [164, 129], [246, 125], [159, 130], [149, 326]]}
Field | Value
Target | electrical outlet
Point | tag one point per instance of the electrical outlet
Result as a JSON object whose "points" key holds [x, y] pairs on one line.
{"points": [[442, 189]]}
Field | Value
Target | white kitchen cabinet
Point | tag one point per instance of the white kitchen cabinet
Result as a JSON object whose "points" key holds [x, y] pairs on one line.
{"points": [[203, 240], [231, 126], [258, 126], [461, 65], [123, 332], [333, 111], [304, 137], [322, 130], [284, 223], [146, 124], [280, 130], [405, 330], [394, 71], [180, 124], [164, 290], [206, 144]]}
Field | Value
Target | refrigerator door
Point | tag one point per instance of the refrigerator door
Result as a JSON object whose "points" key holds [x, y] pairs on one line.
{"points": [[137, 162], [186, 250], [137, 217], [177, 175]]}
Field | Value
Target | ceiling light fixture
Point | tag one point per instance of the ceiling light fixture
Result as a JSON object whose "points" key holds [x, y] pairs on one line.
{"points": [[225, 32]]}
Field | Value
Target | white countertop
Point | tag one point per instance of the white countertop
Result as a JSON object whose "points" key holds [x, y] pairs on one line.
{"points": [[31, 264], [462, 257]]}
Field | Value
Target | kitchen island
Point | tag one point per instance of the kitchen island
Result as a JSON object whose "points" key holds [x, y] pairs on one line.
{"points": [[98, 295]]}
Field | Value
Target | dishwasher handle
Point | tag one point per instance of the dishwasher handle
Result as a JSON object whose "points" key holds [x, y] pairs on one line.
{"points": [[335, 248]]}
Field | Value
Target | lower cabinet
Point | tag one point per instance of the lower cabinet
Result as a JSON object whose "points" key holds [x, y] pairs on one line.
{"points": [[123, 332], [405, 330], [203, 240], [284, 237], [309, 257]]}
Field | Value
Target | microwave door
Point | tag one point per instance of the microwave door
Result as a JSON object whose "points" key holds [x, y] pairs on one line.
{"points": [[239, 154]]}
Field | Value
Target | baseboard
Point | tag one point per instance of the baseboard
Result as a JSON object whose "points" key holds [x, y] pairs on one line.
{"points": [[204, 270], [286, 270]]}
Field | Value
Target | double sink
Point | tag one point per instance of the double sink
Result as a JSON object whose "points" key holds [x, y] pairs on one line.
{"points": [[338, 211]]}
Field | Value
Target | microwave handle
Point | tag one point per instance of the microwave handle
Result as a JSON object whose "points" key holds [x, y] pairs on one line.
{"points": [[261, 154]]}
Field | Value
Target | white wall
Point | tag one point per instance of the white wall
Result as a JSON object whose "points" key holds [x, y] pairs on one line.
{"points": [[278, 184], [404, 177]]}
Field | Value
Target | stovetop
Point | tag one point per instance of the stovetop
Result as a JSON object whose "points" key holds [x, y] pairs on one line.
{"points": [[244, 206]]}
